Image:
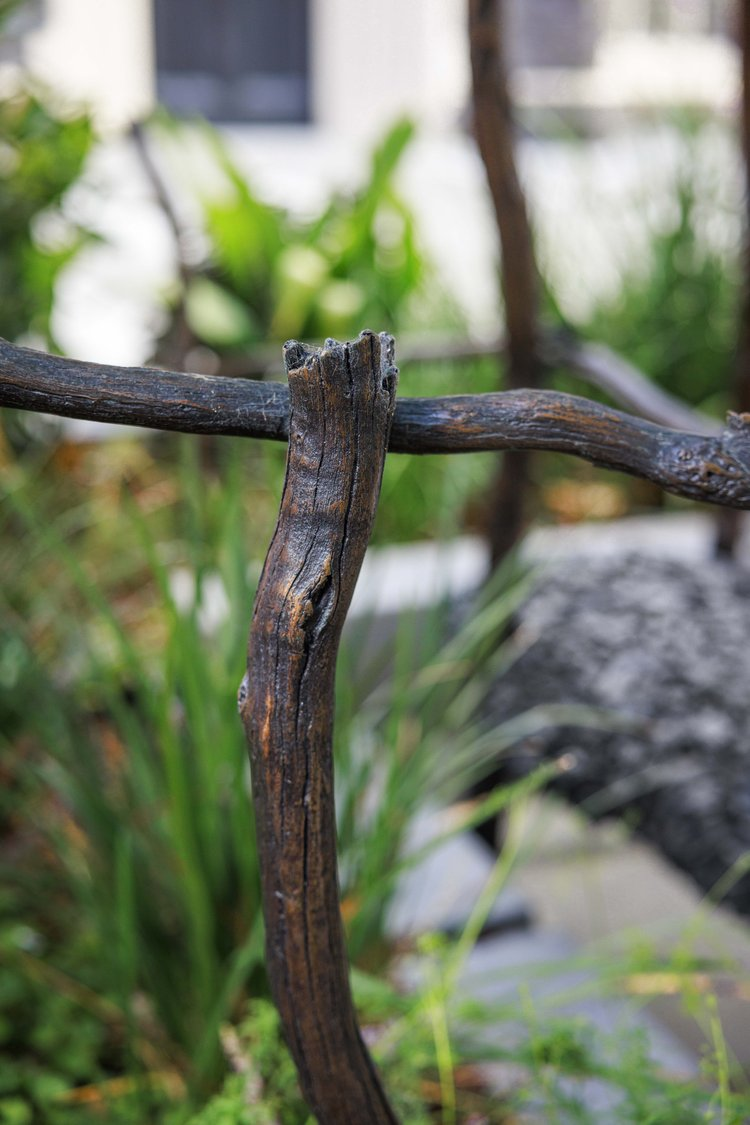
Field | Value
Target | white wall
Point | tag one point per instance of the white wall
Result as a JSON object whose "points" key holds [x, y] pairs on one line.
{"points": [[372, 61], [98, 52]]}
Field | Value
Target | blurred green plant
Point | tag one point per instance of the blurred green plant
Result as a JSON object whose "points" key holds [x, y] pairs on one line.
{"points": [[676, 314], [7, 8], [131, 905], [447, 1055], [131, 954], [155, 830], [263, 275], [63, 1045], [41, 156], [268, 276], [42, 153], [128, 842], [123, 633]]}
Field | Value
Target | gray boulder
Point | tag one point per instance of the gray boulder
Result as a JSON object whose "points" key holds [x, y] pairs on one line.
{"points": [[665, 646]]}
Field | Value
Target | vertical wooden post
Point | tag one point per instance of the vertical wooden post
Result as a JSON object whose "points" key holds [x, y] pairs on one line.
{"points": [[342, 400], [493, 126], [728, 522]]}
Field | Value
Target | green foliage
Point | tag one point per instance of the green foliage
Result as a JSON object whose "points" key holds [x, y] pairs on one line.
{"points": [[7, 8], [676, 314], [62, 1044], [269, 276], [148, 759], [122, 748], [137, 973], [562, 1055], [264, 1089], [41, 155], [48, 1043]]}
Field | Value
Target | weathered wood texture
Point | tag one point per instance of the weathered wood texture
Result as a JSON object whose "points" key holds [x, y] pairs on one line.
{"points": [[141, 396], [342, 401], [696, 466], [493, 127], [715, 469], [593, 363]]}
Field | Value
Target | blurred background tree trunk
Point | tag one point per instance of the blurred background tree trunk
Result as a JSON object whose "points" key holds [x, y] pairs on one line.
{"points": [[493, 128]]}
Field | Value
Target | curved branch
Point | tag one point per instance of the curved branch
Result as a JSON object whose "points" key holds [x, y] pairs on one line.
{"points": [[695, 466], [593, 363], [715, 469], [342, 401]]}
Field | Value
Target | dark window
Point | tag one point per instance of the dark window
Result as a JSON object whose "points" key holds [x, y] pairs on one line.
{"points": [[233, 60]]}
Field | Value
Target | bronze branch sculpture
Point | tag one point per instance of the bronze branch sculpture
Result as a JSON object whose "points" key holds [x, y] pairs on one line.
{"points": [[340, 415], [699, 466], [342, 401]]}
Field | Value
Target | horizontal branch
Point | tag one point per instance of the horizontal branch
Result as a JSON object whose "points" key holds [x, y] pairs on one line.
{"points": [[142, 396], [425, 347], [695, 466], [593, 363], [715, 469]]}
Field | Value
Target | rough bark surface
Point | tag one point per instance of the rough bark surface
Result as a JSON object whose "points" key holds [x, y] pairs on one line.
{"points": [[691, 465], [342, 401], [664, 644], [697, 466]]}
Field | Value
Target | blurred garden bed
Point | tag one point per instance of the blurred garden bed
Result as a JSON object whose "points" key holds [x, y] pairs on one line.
{"points": [[131, 962]]}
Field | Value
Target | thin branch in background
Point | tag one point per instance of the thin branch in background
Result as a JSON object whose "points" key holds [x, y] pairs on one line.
{"points": [[601, 367], [728, 524], [180, 339], [493, 127]]}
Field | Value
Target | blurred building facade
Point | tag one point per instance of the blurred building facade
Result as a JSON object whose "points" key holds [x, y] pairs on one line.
{"points": [[332, 63]]}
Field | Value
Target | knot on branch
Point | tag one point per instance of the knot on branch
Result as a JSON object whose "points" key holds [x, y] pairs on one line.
{"points": [[738, 430], [715, 470]]}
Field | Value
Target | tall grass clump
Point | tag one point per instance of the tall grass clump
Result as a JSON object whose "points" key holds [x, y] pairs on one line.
{"points": [[124, 617]]}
